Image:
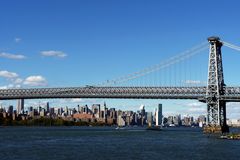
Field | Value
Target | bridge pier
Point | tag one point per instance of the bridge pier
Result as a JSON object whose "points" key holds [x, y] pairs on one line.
{"points": [[216, 107]]}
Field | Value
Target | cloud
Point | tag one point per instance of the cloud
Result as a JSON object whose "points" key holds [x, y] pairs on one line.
{"points": [[7, 74], [10, 86], [81, 100], [35, 81], [52, 53], [197, 110], [195, 104], [194, 82], [77, 100], [12, 56], [18, 81], [17, 39]]}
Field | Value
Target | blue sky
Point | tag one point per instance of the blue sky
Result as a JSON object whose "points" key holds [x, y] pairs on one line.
{"points": [[74, 43]]}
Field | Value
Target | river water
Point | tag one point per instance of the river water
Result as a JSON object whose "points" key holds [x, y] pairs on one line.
{"points": [[103, 143]]}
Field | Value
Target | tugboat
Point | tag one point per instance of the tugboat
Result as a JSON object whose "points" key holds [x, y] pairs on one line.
{"points": [[120, 128], [154, 128]]}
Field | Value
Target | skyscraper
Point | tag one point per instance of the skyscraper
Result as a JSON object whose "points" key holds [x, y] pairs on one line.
{"points": [[47, 107], [96, 110], [10, 109], [149, 118], [20, 106], [159, 115]]}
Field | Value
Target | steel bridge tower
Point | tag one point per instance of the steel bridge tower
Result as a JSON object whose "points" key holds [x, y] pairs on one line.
{"points": [[216, 107]]}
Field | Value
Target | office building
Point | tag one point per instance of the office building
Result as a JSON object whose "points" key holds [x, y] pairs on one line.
{"points": [[20, 106], [159, 115]]}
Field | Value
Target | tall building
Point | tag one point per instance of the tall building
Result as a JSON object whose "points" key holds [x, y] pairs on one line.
{"points": [[177, 120], [20, 106], [10, 109], [159, 115], [149, 119], [121, 121], [66, 111], [47, 107], [96, 110]]}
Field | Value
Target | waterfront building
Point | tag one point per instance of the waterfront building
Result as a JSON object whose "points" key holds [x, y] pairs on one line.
{"points": [[159, 115], [201, 120], [165, 121], [78, 108], [177, 120], [51, 111], [20, 106], [42, 113], [149, 118], [82, 117], [233, 122], [10, 110], [188, 121], [66, 111], [121, 121], [84, 109], [39, 109], [47, 107], [170, 121], [96, 110]]}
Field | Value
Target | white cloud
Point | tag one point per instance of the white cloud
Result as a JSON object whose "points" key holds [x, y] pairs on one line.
{"points": [[17, 39], [197, 110], [53, 53], [81, 100], [18, 81], [195, 104], [18, 86], [77, 100], [7, 74], [194, 82], [4, 87], [12, 56], [233, 110], [10, 86], [35, 81]]}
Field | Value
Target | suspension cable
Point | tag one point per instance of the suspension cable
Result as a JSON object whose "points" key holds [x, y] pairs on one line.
{"points": [[232, 46], [169, 62]]}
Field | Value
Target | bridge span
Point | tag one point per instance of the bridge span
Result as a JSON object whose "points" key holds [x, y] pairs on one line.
{"points": [[197, 93]]}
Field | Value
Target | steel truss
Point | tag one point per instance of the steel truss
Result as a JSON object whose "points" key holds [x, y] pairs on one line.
{"points": [[198, 93], [216, 107]]}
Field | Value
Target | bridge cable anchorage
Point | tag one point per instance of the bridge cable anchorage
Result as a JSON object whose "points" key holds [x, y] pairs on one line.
{"points": [[167, 63], [232, 46]]}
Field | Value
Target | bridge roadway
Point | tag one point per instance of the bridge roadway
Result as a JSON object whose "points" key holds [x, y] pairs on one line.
{"points": [[199, 93]]}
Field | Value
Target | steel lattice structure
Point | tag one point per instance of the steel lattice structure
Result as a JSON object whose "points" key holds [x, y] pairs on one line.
{"points": [[216, 107], [215, 94], [198, 93]]}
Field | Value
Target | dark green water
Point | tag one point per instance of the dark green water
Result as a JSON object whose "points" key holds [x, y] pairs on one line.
{"points": [[58, 143]]}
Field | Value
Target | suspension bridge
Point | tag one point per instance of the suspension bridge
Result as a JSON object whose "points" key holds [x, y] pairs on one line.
{"points": [[214, 92]]}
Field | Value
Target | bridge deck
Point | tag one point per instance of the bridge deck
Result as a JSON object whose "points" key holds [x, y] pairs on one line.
{"points": [[199, 93]]}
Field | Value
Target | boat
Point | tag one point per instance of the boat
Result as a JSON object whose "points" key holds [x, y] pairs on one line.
{"points": [[231, 136], [154, 128], [120, 128]]}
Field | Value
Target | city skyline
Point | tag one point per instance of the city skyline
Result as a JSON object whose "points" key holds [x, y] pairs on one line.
{"points": [[84, 45], [97, 114]]}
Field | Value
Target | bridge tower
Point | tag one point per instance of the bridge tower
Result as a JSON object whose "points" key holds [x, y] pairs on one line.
{"points": [[216, 108]]}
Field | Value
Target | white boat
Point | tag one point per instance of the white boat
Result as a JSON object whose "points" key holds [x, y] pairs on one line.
{"points": [[119, 127]]}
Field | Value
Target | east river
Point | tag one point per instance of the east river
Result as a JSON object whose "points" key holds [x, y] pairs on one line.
{"points": [[103, 143]]}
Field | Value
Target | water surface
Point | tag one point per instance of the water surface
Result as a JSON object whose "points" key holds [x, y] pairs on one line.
{"points": [[103, 143]]}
